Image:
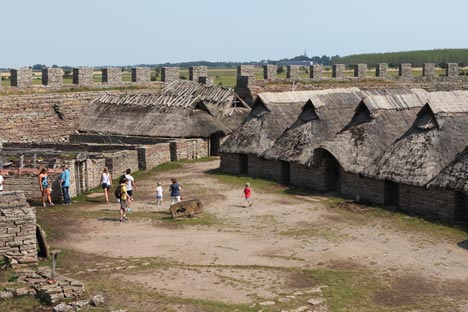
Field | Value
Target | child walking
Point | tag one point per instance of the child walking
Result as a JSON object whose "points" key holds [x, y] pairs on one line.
{"points": [[159, 194], [247, 192]]}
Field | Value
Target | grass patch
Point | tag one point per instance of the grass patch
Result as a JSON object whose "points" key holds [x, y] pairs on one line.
{"points": [[255, 184]]}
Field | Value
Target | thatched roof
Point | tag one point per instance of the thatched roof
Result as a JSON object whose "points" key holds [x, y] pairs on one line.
{"points": [[321, 118], [434, 139], [182, 109], [271, 114], [455, 176], [378, 121]]}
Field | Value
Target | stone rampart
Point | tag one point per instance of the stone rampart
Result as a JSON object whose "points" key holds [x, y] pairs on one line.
{"points": [[17, 229]]}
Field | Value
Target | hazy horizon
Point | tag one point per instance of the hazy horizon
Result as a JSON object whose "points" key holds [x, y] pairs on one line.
{"points": [[119, 33]]}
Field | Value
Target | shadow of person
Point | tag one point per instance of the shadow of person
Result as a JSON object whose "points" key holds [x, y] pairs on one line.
{"points": [[107, 219], [463, 244]]}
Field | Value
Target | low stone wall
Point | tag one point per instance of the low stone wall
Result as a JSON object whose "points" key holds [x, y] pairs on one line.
{"points": [[264, 168], [434, 203], [119, 161], [314, 178], [189, 149], [17, 229], [150, 156], [230, 163], [354, 185]]}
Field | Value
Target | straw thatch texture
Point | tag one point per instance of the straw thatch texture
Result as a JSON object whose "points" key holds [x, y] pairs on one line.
{"points": [[434, 139], [271, 114], [378, 121], [321, 118], [183, 109], [455, 176]]}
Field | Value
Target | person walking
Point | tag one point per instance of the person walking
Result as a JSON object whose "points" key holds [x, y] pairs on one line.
{"points": [[175, 190], [131, 186], [159, 194], [106, 182], [45, 187], [2, 183], [124, 198], [65, 184], [247, 193]]}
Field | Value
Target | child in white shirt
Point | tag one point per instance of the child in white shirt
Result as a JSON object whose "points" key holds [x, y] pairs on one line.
{"points": [[159, 194]]}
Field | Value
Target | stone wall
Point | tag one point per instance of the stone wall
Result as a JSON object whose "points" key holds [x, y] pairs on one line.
{"points": [[52, 77], [429, 70], [451, 70], [264, 168], [433, 203], [368, 190], [381, 70], [150, 156], [112, 75], [119, 161], [169, 74], [21, 77], [338, 71], [292, 72], [27, 181], [17, 229], [189, 149], [230, 163], [83, 76], [269, 71], [316, 72], [196, 72], [314, 178], [360, 71], [405, 70], [141, 74]]}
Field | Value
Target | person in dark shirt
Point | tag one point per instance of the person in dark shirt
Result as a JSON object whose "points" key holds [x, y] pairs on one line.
{"points": [[175, 190]]}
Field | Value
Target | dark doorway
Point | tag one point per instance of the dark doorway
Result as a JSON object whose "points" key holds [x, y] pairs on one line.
{"points": [[391, 193], [285, 172], [215, 142], [461, 207], [243, 164], [332, 172]]}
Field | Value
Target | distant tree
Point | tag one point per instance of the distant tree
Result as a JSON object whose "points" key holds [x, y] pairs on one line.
{"points": [[280, 70], [38, 67], [55, 66]]}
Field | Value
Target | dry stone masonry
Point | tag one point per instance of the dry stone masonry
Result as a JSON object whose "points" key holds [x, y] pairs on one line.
{"points": [[405, 70], [269, 71], [381, 71], [360, 71], [292, 72], [83, 76], [196, 72], [316, 72], [21, 77], [17, 230], [429, 70], [452, 70], [141, 74], [169, 74], [52, 77], [338, 71], [112, 76]]}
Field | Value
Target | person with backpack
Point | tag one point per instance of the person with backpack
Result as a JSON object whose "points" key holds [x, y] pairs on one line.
{"points": [[124, 197]]}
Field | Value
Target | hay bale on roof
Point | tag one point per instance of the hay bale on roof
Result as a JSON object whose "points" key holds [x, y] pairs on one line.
{"points": [[271, 114], [182, 109], [434, 139]]}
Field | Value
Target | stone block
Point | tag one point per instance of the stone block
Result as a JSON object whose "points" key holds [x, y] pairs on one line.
{"points": [[381, 70], [246, 70], [338, 71], [429, 70], [52, 77], [405, 70], [112, 75], [360, 71], [269, 71], [292, 72], [21, 77], [451, 70], [83, 76], [169, 74], [186, 209], [316, 71], [141, 74], [195, 72]]}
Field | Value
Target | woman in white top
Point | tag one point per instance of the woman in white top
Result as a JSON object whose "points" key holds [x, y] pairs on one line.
{"points": [[106, 183]]}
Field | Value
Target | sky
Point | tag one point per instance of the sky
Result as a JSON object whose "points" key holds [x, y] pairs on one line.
{"points": [[129, 32]]}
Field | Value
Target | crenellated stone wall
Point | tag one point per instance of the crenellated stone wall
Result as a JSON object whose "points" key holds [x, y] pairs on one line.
{"points": [[21, 77], [83, 76], [52, 77], [269, 71], [141, 74], [169, 74], [112, 75], [17, 229], [197, 72]]}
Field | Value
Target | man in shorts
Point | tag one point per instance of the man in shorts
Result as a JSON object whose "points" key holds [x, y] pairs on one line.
{"points": [[124, 198], [131, 186]]}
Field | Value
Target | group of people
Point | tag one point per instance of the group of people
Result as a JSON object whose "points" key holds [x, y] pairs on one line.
{"points": [[125, 189], [46, 187]]}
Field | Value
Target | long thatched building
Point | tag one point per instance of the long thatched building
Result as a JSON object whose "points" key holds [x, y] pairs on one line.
{"points": [[378, 121], [184, 109], [271, 114], [433, 141], [321, 118]]}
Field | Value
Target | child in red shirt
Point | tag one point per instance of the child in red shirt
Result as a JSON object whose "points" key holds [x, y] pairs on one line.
{"points": [[247, 192]]}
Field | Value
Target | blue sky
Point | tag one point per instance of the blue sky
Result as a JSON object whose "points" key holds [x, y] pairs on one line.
{"points": [[117, 32]]}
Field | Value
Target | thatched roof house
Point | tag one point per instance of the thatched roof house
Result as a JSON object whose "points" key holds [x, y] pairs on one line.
{"points": [[378, 121], [271, 114], [454, 177], [435, 138], [184, 109], [323, 116]]}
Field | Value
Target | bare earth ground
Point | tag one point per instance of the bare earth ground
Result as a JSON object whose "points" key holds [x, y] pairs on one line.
{"points": [[275, 256]]}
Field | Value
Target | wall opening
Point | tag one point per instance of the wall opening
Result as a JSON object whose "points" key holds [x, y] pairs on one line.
{"points": [[461, 207], [215, 143], [285, 172], [332, 171], [391, 193], [243, 164]]}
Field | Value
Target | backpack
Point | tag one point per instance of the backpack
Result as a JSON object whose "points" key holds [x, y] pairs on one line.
{"points": [[118, 192]]}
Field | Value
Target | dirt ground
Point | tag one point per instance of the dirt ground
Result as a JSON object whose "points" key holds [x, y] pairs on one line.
{"points": [[288, 252]]}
